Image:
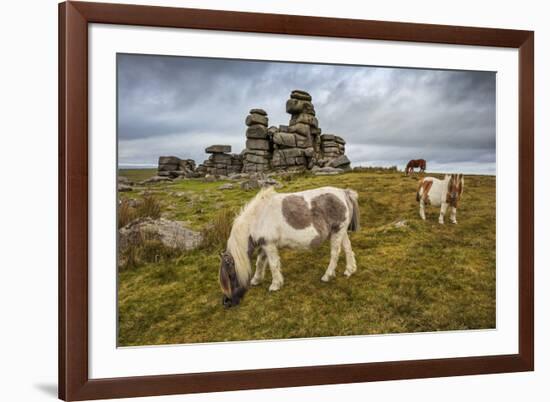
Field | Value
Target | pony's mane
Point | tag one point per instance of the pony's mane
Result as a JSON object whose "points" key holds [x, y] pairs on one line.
{"points": [[237, 244]]}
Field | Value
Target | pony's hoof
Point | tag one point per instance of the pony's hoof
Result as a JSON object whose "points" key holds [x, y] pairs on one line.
{"points": [[441, 222], [454, 222], [274, 287], [255, 282], [326, 278], [349, 272]]}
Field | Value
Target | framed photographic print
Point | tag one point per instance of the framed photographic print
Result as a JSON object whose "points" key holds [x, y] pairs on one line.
{"points": [[260, 200]]}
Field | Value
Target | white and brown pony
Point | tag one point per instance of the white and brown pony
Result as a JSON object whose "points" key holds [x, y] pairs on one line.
{"points": [[274, 220], [440, 193]]}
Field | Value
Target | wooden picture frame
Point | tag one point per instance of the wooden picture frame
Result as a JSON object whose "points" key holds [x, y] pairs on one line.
{"points": [[74, 381]]}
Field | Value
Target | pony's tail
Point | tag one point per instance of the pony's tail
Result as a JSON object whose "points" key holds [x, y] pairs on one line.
{"points": [[355, 215], [418, 191]]}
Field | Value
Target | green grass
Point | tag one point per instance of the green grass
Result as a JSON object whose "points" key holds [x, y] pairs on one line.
{"points": [[417, 278]]}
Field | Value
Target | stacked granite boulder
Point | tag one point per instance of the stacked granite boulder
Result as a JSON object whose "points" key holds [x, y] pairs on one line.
{"points": [[257, 155], [333, 152], [297, 144], [172, 166], [221, 161]]}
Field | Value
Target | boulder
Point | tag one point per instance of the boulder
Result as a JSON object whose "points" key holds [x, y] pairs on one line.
{"points": [[330, 144], [291, 152], [221, 158], [252, 119], [238, 176], [168, 167], [339, 140], [304, 118], [284, 139], [256, 159], [124, 187], [256, 131], [328, 150], [257, 144], [156, 179], [309, 152], [124, 180], [172, 234], [258, 152], [328, 137], [300, 128], [301, 95], [254, 183], [295, 106], [258, 111], [251, 184], [303, 142], [326, 170], [210, 178], [169, 160], [213, 149], [226, 186], [340, 162]]}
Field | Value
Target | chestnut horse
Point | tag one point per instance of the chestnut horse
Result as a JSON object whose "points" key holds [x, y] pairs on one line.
{"points": [[415, 163]]}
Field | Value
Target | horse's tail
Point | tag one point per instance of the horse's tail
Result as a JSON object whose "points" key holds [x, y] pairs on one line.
{"points": [[355, 215], [418, 191]]}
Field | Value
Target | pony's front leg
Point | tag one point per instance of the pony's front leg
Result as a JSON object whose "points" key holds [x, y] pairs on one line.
{"points": [[351, 265], [335, 247], [442, 212], [453, 215], [275, 265], [261, 265]]}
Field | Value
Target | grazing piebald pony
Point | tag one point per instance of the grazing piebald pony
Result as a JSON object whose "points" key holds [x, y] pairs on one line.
{"points": [[415, 163], [273, 220], [432, 191]]}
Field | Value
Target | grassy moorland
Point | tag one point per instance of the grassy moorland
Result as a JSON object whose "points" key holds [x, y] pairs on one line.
{"points": [[416, 277]]}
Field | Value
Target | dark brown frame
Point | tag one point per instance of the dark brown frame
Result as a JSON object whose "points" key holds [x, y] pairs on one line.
{"points": [[74, 17]]}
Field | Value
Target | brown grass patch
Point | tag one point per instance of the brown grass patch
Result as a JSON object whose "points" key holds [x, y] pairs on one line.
{"points": [[216, 234]]}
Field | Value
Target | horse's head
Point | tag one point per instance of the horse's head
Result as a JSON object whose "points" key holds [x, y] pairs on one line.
{"points": [[455, 189], [232, 290]]}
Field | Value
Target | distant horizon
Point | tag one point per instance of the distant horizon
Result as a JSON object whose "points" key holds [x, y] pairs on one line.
{"points": [[145, 166], [178, 106]]}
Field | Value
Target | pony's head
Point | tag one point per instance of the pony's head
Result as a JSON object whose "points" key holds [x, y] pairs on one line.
{"points": [[232, 290], [455, 188]]}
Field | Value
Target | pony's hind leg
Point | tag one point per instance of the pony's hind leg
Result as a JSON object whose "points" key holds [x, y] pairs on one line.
{"points": [[351, 265], [422, 208], [261, 265], [335, 247], [275, 266]]}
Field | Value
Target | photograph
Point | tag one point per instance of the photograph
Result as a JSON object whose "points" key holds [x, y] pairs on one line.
{"points": [[270, 200]]}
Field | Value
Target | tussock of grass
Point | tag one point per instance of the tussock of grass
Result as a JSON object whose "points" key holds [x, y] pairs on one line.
{"points": [[419, 277], [144, 250], [215, 235], [149, 207], [126, 213]]}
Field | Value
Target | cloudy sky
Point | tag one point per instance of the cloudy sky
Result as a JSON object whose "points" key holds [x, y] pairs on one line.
{"points": [[180, 105]]}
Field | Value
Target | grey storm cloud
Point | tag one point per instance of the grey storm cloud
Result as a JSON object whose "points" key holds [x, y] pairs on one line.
{"points": [[180, 105]]}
